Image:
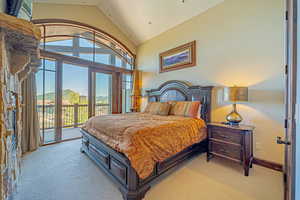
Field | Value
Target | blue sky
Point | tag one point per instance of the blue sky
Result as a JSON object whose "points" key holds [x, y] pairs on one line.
{"points": [[74, 78]]}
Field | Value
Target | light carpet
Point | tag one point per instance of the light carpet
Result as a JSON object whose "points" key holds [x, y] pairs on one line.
{"points": [[61, 172]]}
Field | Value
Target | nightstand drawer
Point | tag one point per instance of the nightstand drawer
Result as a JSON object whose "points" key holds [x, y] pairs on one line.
{"points": [[232, 136], [228, 150]]}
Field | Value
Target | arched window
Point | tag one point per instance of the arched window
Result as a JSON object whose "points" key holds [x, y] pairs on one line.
{"points": [[83, 41], [85, 72]]}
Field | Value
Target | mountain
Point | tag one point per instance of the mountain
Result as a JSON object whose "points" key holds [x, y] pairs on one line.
{"points": [[71, 97], [101, 99], [48, 96]]}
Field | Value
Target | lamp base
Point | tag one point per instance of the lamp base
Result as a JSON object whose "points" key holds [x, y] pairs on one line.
{"points": [[233, 123], [234, 118]]}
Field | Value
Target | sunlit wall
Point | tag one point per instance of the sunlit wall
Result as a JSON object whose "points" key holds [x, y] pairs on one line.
{"points": [[238, 43]]}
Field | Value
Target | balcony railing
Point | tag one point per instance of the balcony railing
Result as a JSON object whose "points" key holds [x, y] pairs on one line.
{"points": [[72, 115]]}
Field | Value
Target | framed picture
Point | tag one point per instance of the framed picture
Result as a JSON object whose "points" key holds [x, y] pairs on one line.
{"points": [[178, 58]]}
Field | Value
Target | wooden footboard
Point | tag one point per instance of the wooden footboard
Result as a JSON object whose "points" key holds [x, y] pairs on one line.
{"points": [[117, 166]]}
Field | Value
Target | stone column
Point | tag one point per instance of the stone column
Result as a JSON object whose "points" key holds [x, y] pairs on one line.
{"points": [[19, 55]]}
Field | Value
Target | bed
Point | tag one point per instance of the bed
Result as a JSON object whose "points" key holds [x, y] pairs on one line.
{"points": [[120, 167]]}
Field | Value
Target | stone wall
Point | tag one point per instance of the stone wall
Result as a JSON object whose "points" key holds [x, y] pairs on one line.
{"points": [[19, 55]]}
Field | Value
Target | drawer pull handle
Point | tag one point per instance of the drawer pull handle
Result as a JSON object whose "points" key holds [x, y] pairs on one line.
{"points": [[225, 136], [223, 151]]}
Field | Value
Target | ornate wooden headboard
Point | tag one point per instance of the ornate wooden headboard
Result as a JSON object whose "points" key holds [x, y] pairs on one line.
{"points": [[183, 91]]}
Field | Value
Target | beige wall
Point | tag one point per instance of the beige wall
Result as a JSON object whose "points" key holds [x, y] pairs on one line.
{"points": [[239, 42], [86, 14]]}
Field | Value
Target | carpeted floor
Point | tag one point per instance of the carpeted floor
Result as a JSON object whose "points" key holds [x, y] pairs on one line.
{"points": [[61, 172]]}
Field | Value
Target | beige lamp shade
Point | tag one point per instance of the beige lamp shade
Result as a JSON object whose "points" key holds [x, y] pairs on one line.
{"points": [[235, 94]]}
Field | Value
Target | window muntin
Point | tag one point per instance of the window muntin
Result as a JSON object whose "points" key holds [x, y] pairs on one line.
{"points": [[84, 42]]}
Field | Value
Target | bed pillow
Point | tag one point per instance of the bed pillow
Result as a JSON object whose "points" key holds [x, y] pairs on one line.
{"points": [[185, 108], [158, 108]]}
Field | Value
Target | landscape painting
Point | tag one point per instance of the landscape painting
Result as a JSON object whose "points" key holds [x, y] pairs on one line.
{"points": [[178, 58]]}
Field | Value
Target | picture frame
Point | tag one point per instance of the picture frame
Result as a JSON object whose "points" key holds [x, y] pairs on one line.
{"points": [[178, 58]]}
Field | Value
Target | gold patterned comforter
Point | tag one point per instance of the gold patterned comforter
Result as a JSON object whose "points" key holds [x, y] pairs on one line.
{"points": [[146, 139]]}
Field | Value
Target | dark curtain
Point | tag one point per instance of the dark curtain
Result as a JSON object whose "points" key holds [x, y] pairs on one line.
{"points": [[13, 7]]}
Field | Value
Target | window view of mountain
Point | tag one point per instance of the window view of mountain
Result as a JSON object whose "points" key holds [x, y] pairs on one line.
{"points": [[70, 97], [74, 108]]}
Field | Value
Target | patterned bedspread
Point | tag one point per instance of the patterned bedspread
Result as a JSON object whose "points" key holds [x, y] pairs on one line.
{"points": [[146, 139]]}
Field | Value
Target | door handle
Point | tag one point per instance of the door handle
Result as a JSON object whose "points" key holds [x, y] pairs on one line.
{"points": [[281, 141]]}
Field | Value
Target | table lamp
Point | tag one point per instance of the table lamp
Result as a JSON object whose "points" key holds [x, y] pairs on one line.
{"points": [[235, 94]]}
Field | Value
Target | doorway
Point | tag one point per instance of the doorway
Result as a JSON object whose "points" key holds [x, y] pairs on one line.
{"points": [[67, 95], [74, 100], [46, 99]]}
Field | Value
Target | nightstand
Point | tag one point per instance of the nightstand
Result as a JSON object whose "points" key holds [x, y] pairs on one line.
{"points": [[234, 143]]}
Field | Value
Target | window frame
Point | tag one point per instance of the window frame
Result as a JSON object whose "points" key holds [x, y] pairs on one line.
{"points": [[118, 72], [116, 46]]}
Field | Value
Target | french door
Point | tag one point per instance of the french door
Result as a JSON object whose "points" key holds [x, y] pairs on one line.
{"points": [[68, 94], [47, 99], [73, 104], [103, 94]]}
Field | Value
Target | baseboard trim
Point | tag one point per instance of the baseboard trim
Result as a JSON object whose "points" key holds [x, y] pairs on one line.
{"points": [[268, 164]]}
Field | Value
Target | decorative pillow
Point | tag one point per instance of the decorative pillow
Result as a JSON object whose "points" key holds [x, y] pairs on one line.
{"points": [[185, 108], [158, 108]]}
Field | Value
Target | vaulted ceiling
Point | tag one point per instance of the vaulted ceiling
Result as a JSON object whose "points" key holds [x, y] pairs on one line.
{"points": [[142, 20]]}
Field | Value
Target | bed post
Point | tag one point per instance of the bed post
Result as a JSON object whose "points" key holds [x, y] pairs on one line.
{"points": [[133, 191], [135, 195]]}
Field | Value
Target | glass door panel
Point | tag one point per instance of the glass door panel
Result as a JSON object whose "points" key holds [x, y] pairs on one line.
{"points": [[74, 100], [46, 100], [126, 92], [103, 94]]}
